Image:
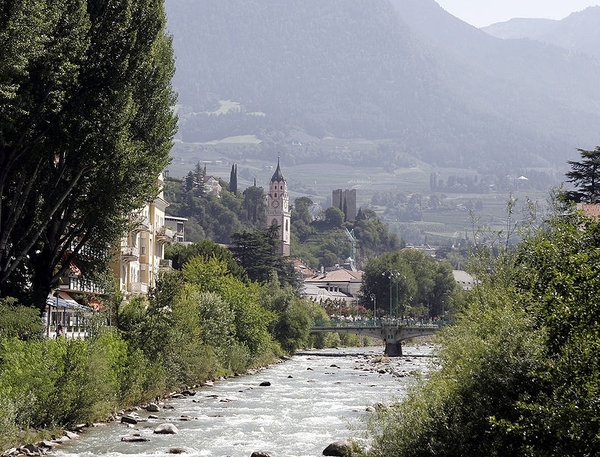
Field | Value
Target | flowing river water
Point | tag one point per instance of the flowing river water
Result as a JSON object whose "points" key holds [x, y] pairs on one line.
{"points": [[313, 399]]}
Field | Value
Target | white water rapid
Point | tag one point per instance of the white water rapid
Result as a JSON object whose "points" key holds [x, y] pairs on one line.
{"points": [[314, 399]]}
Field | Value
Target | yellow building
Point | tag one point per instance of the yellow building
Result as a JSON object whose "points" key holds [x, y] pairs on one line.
{"points": [[142, 250]]}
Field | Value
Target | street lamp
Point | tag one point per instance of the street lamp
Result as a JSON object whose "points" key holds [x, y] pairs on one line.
{"points": [[391, 274], [57, 295], [374, 300]]}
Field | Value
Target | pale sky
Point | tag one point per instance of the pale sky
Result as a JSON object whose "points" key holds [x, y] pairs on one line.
{"points": [[485, 12]]}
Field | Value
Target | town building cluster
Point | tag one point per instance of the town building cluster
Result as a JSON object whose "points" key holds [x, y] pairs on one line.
{"points": [[140, 258]]}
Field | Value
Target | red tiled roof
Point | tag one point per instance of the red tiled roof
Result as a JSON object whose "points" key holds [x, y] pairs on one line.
{"points": [[589, 209]]}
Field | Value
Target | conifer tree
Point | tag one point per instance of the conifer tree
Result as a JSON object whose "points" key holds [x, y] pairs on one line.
{"points": [[233, 179], [585, 175]]}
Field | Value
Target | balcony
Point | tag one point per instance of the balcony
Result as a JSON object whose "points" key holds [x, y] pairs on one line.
{"points": [[138, 288], [164, 235], [141, 224], [166, 264], [130, 253]]}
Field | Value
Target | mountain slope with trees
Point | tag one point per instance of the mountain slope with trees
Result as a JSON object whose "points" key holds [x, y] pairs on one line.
{"points": [[349, 69], [578, 32]]}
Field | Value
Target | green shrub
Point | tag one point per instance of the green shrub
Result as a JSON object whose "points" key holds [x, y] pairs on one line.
{"points": [[19, 321]]}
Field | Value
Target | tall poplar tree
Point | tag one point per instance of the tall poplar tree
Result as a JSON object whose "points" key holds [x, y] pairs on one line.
{"points": [[86, 126]]}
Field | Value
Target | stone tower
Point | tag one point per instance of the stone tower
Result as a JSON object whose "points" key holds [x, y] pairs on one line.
{"points": [[345, 200], [278, 209]]}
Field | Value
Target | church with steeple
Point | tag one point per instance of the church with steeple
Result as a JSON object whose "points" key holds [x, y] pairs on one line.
{"points": [[278, 209]]}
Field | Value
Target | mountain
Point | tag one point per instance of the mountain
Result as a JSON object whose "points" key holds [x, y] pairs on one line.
{"points": [[579, 32], [404, 71], [519, 28]]}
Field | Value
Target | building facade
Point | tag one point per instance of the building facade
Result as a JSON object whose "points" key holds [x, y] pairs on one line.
{"points": [[142, 250]]}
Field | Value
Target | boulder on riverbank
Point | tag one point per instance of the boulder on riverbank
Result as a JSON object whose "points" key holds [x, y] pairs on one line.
{"points": [[342, 448], [152, 408], [129, 420], [261, 454]]}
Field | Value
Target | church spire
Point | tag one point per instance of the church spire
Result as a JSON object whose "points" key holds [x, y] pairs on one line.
{"points": [[278, 175]]}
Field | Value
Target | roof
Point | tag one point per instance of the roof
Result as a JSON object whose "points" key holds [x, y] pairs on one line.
{"points": [[321, 293], [589, 209], [303, 269], [278, 175], [339, 275], [464, 279]]}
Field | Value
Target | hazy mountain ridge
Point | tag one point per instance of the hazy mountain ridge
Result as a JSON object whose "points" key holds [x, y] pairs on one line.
{"points": [[579, 32], [444, 91]]}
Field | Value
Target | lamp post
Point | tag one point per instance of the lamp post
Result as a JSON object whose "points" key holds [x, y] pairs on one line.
{"points": [[374, 300], [391, 274], [56, 294]]}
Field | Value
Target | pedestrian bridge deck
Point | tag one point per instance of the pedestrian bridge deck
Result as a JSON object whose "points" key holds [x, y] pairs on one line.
{"points": [[391, 331]]}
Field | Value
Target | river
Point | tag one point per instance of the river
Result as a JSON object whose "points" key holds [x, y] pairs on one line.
{"points": [[313, 399]]}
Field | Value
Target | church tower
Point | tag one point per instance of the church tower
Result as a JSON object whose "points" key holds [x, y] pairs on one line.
{"points": [[278, 209]]}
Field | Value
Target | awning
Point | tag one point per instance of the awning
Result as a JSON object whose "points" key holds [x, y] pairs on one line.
{"points": [[65, 301]]}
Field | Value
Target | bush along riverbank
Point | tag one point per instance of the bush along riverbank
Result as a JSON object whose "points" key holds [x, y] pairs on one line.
{"points": [[197, 324], [200, 323], [52, 390]]}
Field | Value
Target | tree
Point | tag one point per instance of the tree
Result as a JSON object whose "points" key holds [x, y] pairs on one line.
{"points": [[180, 254], [519, 372], [254, 204], [585, 175], [86, 125], [233, 186], [334, 217], [410, 282], [257, 253]]}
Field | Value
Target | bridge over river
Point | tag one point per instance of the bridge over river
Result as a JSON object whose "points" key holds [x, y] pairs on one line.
{"points": [[391, 331]]}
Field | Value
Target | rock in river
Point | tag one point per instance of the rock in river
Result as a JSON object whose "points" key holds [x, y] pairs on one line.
{"points": [[166, 429]]}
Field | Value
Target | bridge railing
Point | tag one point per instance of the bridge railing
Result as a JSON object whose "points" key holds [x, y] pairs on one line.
{"points": [[341, 323]]}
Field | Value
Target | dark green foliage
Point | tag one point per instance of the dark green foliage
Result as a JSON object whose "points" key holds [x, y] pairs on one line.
{"points": [[233, 186], [86, 125], [19, 321], [258, 253], [585, 176], [519, 371], [409, 283], [254, 204]]}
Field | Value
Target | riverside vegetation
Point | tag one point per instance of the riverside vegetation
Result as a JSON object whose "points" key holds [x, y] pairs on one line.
{"points": [[201, 322], [519, 372]]}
